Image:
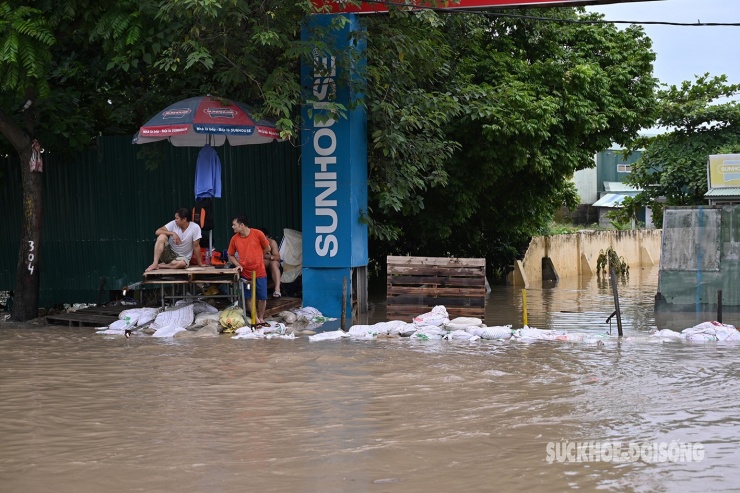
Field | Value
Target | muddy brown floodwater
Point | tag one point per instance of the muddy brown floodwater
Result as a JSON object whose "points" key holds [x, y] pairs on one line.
{"points": [[86, 413]]}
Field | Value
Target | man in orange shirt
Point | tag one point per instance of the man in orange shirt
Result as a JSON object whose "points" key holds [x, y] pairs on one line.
{"points": [[251, 245]]}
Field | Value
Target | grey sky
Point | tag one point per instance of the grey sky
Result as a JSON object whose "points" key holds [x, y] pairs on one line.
{"points": [[683, 52]]}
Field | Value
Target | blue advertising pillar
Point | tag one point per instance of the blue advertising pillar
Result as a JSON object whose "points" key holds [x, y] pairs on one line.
{"points": [[334, 174]]}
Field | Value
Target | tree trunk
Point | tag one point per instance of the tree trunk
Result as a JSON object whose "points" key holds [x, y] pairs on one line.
{"points": [[26, 293]]}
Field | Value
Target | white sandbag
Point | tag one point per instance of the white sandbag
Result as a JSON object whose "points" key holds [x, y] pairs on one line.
{"points": [[168, 331], [462, 323], [700, 337], [421, 336], [527, 334], [204, 318], [491, 333], [711, 331], [110, 331], [131, 316], [429, 333], [307, 314], [288, 316], [179, 317], [459, 335], [438, 316], [728, 334], [362, 331], [203, 307], [367, 332], [328, 336], [147, 315], [667, 334], [121, 325], [387, 327], [403, 330]]}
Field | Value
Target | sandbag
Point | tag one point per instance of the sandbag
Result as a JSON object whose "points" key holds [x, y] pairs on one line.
{"points": [[232, 318]]}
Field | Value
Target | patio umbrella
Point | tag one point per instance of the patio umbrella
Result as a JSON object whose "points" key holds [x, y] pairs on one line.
{"points": [[206, 121], [202, 120]]}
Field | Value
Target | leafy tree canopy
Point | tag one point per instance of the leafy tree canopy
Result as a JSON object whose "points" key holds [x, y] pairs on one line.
{"points": [[534, 101], [701, 119], [476, 123]]}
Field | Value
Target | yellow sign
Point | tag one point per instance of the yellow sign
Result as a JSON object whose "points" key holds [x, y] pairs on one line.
{"points": [[723, 171]]}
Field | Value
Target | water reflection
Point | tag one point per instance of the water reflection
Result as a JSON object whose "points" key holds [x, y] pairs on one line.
{"points": [[86, 413]]}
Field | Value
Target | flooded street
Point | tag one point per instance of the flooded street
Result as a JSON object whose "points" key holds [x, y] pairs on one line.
{"points": [[86, 413]]}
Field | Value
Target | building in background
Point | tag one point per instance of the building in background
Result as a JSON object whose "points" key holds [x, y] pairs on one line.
{"points": [[603, 188]]}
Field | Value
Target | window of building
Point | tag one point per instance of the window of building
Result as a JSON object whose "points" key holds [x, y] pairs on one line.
{"points": [[624, 168]]}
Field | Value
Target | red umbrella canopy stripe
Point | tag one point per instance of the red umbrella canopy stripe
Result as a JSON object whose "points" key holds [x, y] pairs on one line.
{"points": [[206, 120]]}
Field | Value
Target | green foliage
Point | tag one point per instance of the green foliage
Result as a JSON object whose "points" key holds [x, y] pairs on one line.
{"points": [[610, 260], [25, 41], [672, 170], [535, 102], [476, 123]]}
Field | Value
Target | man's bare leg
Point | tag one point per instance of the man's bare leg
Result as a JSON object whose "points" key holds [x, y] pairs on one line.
{"points": [[158, 249], [261, 305], [275, 269], [175, 264]]}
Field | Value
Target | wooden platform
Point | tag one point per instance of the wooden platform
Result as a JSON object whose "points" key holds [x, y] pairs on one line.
{"points": [[102, 316], [94, 316], [415, 285], [207, 274]]}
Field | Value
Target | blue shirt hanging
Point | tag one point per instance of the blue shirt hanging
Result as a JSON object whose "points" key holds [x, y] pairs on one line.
{"points": [[208, 173]]}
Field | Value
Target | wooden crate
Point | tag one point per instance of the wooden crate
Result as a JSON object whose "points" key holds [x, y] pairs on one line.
{"points": [[417, 284]]}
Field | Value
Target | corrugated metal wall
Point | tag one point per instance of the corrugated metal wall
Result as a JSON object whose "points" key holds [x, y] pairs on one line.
{"points": [[102, 208]]}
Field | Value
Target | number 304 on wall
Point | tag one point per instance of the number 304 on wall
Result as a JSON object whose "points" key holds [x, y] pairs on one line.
{"points": [[31, 257]]}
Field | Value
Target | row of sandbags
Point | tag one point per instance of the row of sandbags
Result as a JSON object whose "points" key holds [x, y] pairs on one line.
{"points": [[436, 325], [201, 319], [703, 332]]}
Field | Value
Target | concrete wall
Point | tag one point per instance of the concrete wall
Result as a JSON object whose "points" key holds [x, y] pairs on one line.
{"points": [[576, 254]]}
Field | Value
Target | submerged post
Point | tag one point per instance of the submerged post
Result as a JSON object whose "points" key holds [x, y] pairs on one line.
{"points": [[616, 300], [719, 306], [344, 305], [254, 299], [524, 307]]}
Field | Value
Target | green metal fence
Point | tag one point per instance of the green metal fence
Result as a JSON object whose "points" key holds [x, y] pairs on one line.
{"points": [[101, 209]]}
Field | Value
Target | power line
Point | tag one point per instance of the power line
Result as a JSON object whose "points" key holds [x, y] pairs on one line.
{"points": [[698, 23]]}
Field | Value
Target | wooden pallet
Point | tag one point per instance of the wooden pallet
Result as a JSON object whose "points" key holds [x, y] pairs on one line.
{"points": [[94, 316], [415, 285]]}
